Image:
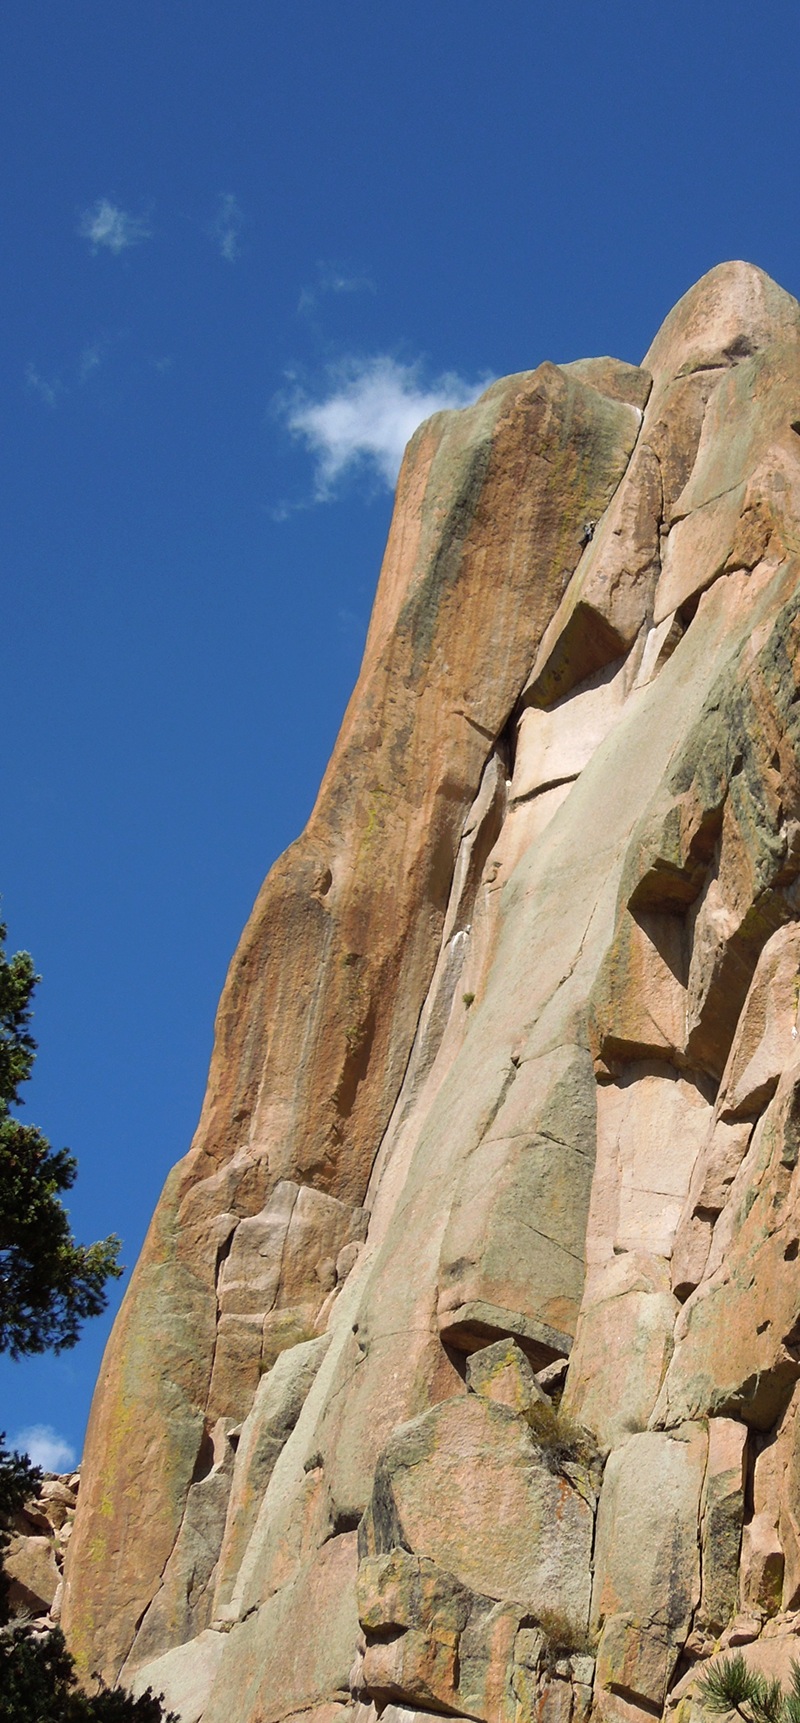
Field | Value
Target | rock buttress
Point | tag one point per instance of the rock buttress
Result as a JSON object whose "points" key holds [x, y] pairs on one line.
{"points": [[459, 1373]]}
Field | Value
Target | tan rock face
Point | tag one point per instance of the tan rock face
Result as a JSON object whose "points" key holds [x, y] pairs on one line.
{"points": [[721, 1518], [504, 1102]]}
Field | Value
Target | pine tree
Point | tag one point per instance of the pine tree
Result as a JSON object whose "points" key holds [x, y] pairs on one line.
{"points": [[48, 1283], [731, 1687]]}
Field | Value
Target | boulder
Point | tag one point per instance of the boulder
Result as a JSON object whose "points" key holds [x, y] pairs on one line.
{"points": [[502, 1373], [29, 1565], [449, 1478]]}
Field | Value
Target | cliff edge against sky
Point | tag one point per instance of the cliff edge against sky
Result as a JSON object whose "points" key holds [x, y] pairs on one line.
{"points": [[501, 1134]]}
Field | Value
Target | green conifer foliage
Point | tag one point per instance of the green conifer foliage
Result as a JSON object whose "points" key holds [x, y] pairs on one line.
{"points": [[48, 1283], [731, 1687]]}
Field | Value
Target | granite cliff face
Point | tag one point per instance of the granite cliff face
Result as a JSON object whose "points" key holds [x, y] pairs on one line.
{"points": [[461, 1369]]}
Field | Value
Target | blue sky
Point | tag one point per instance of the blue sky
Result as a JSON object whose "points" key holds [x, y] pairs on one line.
{"points": [[245, 248]]}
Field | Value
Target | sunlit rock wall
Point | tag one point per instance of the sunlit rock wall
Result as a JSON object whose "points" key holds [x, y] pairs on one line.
{"points": [[458, 1373]]}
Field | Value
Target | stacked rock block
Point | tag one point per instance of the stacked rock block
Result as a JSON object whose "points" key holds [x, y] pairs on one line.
{"points": [[459, 1372], [34, 1547]]}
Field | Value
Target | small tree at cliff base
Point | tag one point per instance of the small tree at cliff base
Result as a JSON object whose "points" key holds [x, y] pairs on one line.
{"points": [[48, 1283], [38, 1685]]}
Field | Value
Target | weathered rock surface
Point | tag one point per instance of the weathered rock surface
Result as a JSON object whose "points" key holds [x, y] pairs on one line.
{"points": [[504, 1103]]}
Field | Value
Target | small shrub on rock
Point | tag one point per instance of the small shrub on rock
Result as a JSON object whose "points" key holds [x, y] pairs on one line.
{"points": [[563, 1638], [561, 1440]]}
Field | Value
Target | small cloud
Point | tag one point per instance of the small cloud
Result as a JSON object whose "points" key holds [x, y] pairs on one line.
{"points": [[106, 225], [45, 1448], [285, 509], [90, 360], [165, 363], [336, 282], [332, 279], [227, 227], [370, 410], [39, 385]]}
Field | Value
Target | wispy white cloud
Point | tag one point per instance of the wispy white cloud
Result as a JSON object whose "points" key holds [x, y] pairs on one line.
{"points": [[285, 509], [47, 389], [366, 415], [45, 1448], [113, 228], [226, 228], [91, 359], [332, 279]]}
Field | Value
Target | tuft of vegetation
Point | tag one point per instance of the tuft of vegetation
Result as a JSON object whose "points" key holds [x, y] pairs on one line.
{"points": [[48, 1283], [731, 1687], [561, 1440], [469, 999], [563, 1638]]}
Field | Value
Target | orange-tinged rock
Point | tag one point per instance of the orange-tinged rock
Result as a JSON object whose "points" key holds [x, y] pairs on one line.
{"points": [[766, 1037], [762, 1565], [635, 1660]]}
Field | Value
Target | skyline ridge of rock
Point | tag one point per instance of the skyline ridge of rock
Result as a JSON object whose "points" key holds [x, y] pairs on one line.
{"points": [[504, 1097]]}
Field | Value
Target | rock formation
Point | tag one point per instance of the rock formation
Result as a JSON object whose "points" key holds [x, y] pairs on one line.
{"points": [[461, 1369], [33, 1545]]}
